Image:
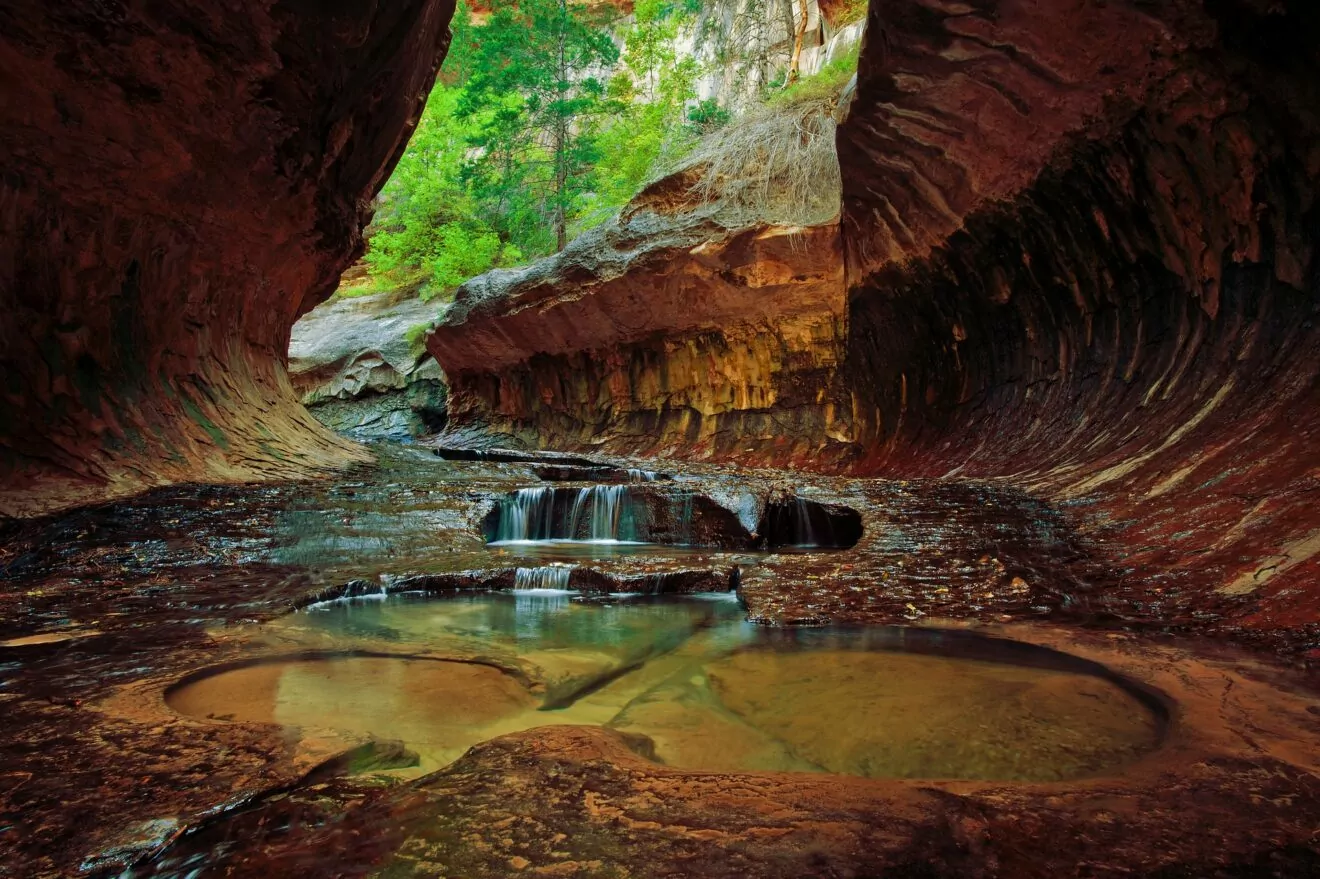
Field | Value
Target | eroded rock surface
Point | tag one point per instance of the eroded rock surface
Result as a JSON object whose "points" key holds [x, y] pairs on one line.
{"points": [[1081, 245], [180, 185], [359, 365], [693, 324]]}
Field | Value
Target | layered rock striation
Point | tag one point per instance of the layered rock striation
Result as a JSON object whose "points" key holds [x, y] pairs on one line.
{"points": [[359, 365], [703, 322], [1079, 248], [1081, 244], [179, 186]]}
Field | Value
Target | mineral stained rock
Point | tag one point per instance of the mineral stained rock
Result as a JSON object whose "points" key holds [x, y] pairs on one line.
{"points": [[698, 323], [359, 366], [1081, 244], [179, 186], [704, 347]]}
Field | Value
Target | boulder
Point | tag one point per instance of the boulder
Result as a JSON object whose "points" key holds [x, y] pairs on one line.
{"points": [[357, 363]]}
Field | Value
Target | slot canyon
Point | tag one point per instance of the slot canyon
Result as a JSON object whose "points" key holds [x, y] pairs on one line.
{"points": [[914, 475]]}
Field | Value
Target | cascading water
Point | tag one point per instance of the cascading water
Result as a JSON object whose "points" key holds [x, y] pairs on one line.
{"points": [[607, 504], [642, 475], [599, 513], [804, 532], [685, 518], [554, 577], [528, 515], [795, 522]]}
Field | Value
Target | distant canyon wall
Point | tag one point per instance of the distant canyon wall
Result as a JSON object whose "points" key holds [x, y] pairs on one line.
{"points": [[657, 337]]}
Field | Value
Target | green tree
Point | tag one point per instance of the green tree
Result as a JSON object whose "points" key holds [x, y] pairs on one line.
{"points": [[428, 227], [535, 83], [652, 92]]}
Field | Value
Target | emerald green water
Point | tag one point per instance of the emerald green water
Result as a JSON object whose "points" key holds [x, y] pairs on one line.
{"points": [[707, 689]]}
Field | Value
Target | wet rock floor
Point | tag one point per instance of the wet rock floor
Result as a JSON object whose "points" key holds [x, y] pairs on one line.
{"points": [[103, 609]]}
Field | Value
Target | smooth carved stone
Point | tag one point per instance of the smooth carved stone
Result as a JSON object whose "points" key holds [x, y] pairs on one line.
{"points": [[665, 331], [1081, 245], [179, 187], [358, 364]]}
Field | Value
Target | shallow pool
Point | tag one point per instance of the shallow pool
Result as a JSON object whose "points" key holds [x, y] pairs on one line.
{"points": [[695, 685]]}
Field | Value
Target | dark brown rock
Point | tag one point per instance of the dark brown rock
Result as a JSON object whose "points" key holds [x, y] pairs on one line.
{"points": [[179, 186], [1081, 245]]}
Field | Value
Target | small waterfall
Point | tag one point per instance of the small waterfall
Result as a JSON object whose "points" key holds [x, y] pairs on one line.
{"points": [[635, 475], [604, 507], [804, 532], [528, 515], [799, 523], [599, 513], [549, 577], [685, 519]]}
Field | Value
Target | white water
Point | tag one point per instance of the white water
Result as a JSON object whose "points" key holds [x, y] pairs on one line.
{"points": [[604, 512], [804, 534], [549, 578]]}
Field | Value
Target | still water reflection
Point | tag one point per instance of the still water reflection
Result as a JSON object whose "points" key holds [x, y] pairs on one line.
{"points": [[708, 689]]}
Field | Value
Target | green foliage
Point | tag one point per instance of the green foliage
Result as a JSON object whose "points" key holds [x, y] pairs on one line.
{"points": [[651, 93], [540, 126], [825, 85], [707, 116], [429, 228], [415, 336], [537, 106]]}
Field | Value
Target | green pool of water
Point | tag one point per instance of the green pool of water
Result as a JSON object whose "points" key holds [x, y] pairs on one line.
{"points": [[708, 690]]}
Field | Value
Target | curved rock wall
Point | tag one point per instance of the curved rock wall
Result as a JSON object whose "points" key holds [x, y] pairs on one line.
{"points": [[660, 335], [1081, 250], [179, 185]]}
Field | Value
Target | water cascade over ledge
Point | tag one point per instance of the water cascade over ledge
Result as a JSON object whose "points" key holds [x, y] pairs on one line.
{"points": [[794, 522], [547, 577], [595, 513]]}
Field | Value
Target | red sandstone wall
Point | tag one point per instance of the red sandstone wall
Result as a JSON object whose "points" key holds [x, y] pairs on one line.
{"points": [[1082, 254], [701, 342], [180, 182]]}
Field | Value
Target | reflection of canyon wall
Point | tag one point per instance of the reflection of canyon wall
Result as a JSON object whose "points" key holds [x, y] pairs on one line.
{"points": [[660, 335], [1081, 250], [179, 185]]}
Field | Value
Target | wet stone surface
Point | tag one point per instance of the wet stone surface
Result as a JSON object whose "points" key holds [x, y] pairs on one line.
{"points": [[103, 609]]}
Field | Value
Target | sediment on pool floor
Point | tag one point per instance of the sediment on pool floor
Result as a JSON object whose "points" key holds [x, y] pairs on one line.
{"points": [[709, 691]]}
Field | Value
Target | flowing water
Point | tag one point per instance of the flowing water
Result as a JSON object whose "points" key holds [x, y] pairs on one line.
{"points": [[548, 577], [597, 513], [710, 691]]}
